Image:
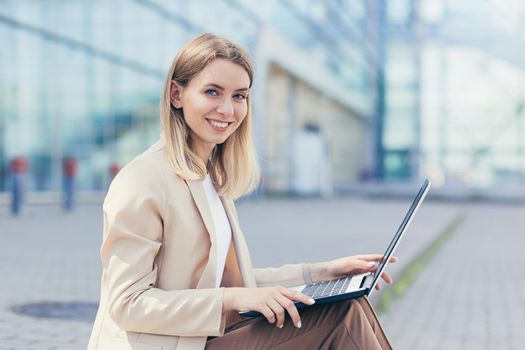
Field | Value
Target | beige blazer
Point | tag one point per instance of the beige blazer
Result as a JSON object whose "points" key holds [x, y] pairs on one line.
{"points": [[159, 256]]}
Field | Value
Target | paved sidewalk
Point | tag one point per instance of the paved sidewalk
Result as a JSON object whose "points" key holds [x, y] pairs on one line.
{"points": [[472, 295], [49, 256]]}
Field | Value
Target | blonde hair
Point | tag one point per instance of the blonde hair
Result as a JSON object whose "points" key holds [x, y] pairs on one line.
{"points": [[233, 164]]}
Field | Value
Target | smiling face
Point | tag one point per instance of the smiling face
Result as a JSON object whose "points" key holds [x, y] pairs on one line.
{"points": [[214, 103]]}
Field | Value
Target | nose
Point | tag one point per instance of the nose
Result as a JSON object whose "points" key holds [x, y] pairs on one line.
{"points": [[225, 107]]}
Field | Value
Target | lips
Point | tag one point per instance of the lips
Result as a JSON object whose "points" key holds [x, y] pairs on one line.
{"points": [[217, 124]]}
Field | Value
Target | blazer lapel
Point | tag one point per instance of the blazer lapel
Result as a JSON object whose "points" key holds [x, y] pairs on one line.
{"points": [[208, 277], [241, 248]]}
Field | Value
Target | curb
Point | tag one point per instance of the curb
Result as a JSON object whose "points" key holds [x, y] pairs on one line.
{"points": [[409, 274]]}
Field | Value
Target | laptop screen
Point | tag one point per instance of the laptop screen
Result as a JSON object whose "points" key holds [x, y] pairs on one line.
{"points": [[401, 230]]}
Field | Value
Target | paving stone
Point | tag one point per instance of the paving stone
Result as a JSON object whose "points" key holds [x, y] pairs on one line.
{"points": [[49, 256], [480, 307]]}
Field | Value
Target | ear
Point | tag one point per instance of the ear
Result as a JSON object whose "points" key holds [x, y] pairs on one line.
{"points": [[176, 94]]}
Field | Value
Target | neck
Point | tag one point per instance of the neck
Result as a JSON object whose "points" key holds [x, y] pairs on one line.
{"points": [[203, 151]]}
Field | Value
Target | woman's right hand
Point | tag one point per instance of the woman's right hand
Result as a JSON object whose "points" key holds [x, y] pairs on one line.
{"points": [[269, 301]]}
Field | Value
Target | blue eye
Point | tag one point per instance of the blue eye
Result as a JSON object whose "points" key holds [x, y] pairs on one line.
{"points": [[240, 97], [211, 92]]}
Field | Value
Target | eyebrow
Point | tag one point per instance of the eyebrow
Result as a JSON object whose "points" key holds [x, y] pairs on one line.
{"points": [[222, 88]]}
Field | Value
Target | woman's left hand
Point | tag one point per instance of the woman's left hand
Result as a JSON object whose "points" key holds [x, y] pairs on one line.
{"points": [[349, 265]]}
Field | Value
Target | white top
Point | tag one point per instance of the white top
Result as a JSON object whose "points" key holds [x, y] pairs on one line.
{"points": [[223, 230]]}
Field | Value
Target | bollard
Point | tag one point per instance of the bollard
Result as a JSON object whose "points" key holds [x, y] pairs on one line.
{"points": [[70, 171], [18, 169], [114, 168]]}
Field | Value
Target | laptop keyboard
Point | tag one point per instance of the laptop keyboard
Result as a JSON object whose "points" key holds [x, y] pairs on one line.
{"points": [[327, 288]]}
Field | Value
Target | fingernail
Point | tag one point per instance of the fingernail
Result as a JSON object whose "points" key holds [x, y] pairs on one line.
{"points": [[280, 325], [311, 301], [371, 263], [299, 324]]}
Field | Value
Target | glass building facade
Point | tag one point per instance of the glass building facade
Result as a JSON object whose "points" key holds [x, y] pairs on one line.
{"points": [[453, 96], [412, 88], [472, 83], [82, 79]]}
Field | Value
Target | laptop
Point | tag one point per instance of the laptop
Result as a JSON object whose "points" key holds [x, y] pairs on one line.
{"points": [[353, 287]]}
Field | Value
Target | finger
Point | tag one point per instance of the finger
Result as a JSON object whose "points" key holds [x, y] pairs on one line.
{"points": [[378, 286], [371, 257], [368, 265], [362, 267], [296, 296], [278, 310], [268, 313], [292, 310], [377, 258], [386, 278]]}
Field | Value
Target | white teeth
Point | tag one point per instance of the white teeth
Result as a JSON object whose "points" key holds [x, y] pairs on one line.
{"points": [[218, 124]]}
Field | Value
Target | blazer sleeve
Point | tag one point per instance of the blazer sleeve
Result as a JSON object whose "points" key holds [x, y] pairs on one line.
{"points": [[134, 211], [288, 275]]}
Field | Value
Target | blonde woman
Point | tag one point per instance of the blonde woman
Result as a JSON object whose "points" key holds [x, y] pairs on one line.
{"points": [[176, 267]]}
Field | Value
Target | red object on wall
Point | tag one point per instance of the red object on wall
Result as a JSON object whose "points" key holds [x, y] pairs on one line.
{"points": [[70, 166], [19, 165], [114, 168]]}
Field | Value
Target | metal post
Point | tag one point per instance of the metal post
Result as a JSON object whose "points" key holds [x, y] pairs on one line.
{"points": [[416, 149], [70, 170], [380, 107], [114, 168], [18, 169]]}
